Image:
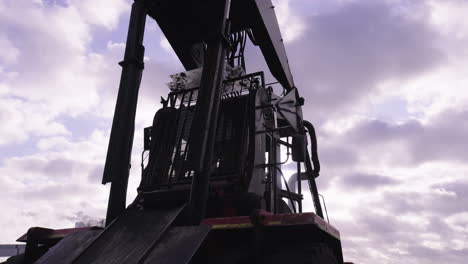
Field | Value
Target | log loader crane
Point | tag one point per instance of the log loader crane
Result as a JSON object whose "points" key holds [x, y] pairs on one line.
{"points": [[212, 187]]}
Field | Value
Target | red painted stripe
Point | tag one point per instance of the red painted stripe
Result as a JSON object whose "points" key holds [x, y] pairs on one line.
{"points": [[268, 219]]}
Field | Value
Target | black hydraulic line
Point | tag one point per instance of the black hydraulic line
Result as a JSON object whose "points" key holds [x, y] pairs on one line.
{"points": [[251, 37], [268, 84], [117, 166], [313, 147], [313, 186], [313, 172], [241, 51]]}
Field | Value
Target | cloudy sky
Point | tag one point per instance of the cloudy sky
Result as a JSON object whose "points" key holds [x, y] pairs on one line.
{"points": [[384, 82]]}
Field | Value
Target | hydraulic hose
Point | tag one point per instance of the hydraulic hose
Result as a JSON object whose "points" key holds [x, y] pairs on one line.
{"points": [[313, 172], [313, 147]]}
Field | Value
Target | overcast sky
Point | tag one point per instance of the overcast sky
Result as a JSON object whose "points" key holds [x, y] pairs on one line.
{"points": [[384, 83]]}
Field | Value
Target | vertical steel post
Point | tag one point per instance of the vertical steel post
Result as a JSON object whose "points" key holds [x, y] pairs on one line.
{"points": [[119, 151], [273, 163], [299, 185], [203, 132]]}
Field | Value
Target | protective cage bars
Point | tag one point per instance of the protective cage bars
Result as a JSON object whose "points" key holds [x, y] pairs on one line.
{"points": [[179, 170]]}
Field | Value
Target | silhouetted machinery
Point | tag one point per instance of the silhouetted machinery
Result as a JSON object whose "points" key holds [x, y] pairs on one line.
{"points": [[212, 187]]}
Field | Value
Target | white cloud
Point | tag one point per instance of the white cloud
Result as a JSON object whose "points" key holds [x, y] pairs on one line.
{"points": [[47, 72], [115, 47], [291, 23], [104, 13], [459, 222], [20, 119], [46, 69], [437, 91], [164, 43], [450, 17], [9, 53], [51, 187], [56, 39]]}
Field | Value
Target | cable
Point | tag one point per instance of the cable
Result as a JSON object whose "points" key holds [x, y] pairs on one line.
{"points": [[251, 37]]}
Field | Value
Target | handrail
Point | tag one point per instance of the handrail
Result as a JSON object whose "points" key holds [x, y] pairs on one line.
{"points": [[325, 206]]}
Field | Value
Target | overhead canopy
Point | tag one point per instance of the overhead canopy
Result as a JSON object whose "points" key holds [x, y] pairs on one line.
{"points": [[186, 23]]}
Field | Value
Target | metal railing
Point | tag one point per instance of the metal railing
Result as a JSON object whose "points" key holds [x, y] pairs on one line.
{"points": [[184, 100]]}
